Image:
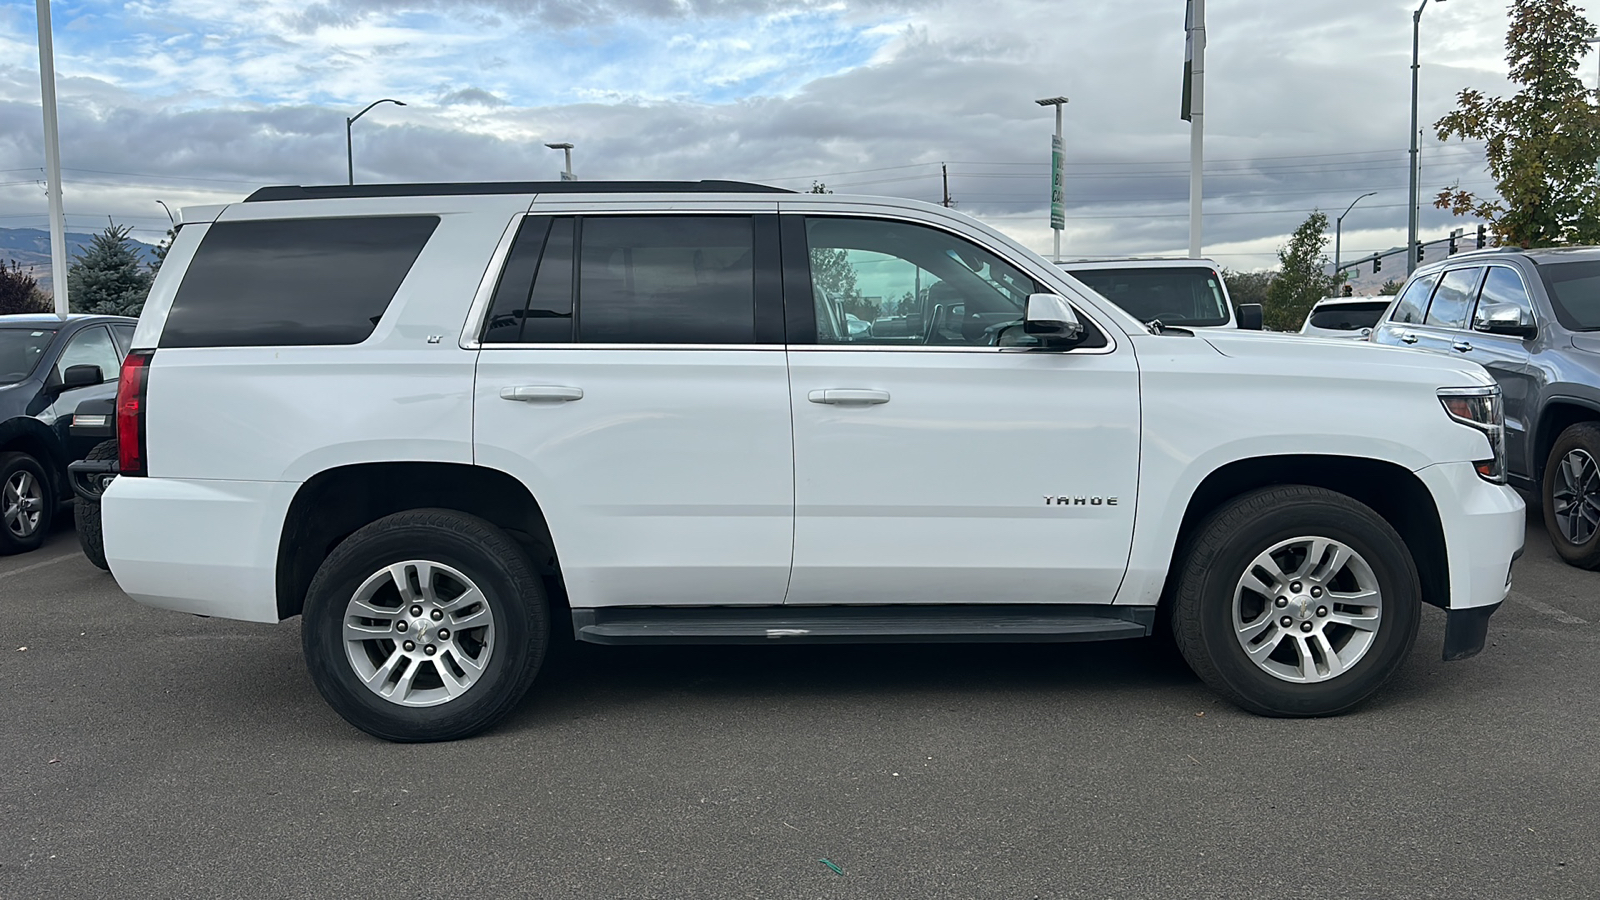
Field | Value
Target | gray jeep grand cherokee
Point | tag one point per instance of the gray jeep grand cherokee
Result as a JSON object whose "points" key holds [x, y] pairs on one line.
{"points": [[1532, 318]]}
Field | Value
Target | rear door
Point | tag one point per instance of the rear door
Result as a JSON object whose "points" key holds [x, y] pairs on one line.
{"points": [[1402, 327], [632, 375]]}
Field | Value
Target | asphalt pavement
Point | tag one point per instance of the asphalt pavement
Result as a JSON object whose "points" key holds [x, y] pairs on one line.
{"points": [[152, 754]]}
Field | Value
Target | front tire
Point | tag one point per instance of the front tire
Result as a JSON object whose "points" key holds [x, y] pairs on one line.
{"points": [[27, 503], [1571, 495], [1296, 601], [427, 625]]}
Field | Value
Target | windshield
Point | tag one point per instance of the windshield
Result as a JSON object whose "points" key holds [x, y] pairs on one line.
{"points": [[1574, 289], [20, 351], [1176, 296], [1348, 316]]}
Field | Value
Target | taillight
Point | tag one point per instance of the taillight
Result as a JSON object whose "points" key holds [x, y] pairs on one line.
{"points": [[131, 386]]}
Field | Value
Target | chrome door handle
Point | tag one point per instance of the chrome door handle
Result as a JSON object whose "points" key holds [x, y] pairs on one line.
{"points": [[848, 397], [541, 393], [1463, 346], [1408, 338]]}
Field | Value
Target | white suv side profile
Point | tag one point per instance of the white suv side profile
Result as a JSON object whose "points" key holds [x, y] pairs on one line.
{"points": [[440, 421]]}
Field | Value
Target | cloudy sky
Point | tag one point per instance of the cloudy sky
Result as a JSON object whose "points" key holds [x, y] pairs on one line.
{"points": [[200, 101]]}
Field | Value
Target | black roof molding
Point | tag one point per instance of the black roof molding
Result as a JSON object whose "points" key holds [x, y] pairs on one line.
{"points": [[351, 191]]}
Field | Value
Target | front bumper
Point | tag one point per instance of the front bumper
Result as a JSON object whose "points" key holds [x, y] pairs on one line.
{"points": [[1483, 533]]}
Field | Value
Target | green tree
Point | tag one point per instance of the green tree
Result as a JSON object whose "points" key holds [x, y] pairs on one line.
{"points": [[107, 277], [19, 291], [164, 245], [1543, 141], [1302, 278], [1390, 288], [1248, 287]]}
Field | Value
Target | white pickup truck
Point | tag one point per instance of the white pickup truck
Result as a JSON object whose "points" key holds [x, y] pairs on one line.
{"points": [[440, 422]]}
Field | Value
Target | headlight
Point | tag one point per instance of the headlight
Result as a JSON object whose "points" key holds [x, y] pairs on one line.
{"points": [[1481, 408]]}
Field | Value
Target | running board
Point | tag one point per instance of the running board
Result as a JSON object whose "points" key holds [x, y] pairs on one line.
{"points": [[860, 624]]}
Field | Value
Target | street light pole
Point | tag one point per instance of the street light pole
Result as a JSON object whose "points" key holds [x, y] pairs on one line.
{"points": [[52, 160], [1413, 214], [566, 174], [1338, 229], [349, 152], [1058, 175]]}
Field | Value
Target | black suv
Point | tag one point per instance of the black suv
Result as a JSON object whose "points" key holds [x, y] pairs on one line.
{"points": [[47, 367], [1532, 318]]}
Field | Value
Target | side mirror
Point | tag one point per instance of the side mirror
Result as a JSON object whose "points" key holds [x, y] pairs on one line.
{"points": [[1507, 319], [1051, 319], [1249, 315], [81, 376]]}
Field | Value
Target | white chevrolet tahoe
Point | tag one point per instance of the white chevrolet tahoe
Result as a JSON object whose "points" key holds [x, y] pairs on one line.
{"points": [[440, 422]]}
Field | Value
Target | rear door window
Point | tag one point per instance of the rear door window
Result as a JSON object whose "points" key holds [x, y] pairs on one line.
{"points": [[1452, 302], [667, 280], [533, 301], [285, 282], [1413, 305]]}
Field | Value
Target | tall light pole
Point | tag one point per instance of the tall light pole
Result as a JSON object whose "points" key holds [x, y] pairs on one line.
{"points": [[1338, 229], [1411, 207], [1058, 174], [1194, 110], [349, 152], [566, 174], [52, 160]]}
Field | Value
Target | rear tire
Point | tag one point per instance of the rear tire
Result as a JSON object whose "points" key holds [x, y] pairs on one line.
{"points": [[27, 503], [86, 513], [1570, 495], [427, 625], [1331, 568]]}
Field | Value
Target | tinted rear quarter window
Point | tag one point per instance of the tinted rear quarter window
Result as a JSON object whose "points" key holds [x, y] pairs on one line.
{"points": [[1575, 289], [285, 282]]}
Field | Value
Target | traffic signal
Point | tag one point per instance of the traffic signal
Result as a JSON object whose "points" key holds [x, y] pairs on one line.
{"points": [[1377, 264], [1421, 251], [1483, 236]]}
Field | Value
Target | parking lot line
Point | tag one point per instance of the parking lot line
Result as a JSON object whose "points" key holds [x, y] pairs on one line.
{"points": [[1539, 606], [39, 565]]}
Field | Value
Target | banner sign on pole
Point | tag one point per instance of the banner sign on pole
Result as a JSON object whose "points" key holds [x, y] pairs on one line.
{"points": [[1058, 190]]}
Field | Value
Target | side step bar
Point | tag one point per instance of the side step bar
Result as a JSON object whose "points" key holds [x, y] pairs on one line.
{"points": [[860, 624]]}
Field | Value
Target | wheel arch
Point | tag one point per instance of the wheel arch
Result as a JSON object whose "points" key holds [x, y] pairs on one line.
{"points": [[334, 503], [1389, 489], [1558, 414], [30, 436]]}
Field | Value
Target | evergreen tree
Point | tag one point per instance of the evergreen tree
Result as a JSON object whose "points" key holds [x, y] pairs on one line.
{"points": [[1302, 279], [1390, 288], [1543, 141], [108, 278], [19, 291]]}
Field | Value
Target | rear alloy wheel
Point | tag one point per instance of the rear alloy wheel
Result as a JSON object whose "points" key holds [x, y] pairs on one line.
{"points": [[26, 503], [427, 625], [1296, 601], [1572, 495]]}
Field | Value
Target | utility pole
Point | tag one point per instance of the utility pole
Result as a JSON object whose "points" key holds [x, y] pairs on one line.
{"points": [[945, 170], [1197, 128], [52, 160], [1412, 213]]}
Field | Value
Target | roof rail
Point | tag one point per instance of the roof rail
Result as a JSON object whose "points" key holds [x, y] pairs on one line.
{"points": [[352, 191]]}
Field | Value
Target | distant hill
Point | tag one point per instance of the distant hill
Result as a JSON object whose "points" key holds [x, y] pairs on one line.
{"points": [[30, 247]]}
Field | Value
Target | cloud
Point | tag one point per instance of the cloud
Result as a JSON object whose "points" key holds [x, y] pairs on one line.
{"points": [[201, 100]]}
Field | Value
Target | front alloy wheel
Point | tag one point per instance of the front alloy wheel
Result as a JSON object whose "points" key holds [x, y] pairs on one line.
{"points": [[27, 503], [1295, 601], [1572, 495]]}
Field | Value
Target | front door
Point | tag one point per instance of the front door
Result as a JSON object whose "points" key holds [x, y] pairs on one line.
{"points": [[626, 380], [934, 464]]}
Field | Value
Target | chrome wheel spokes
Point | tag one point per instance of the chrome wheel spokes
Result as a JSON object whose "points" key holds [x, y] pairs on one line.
{"points": [[1307, 609], [418, 633]]}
